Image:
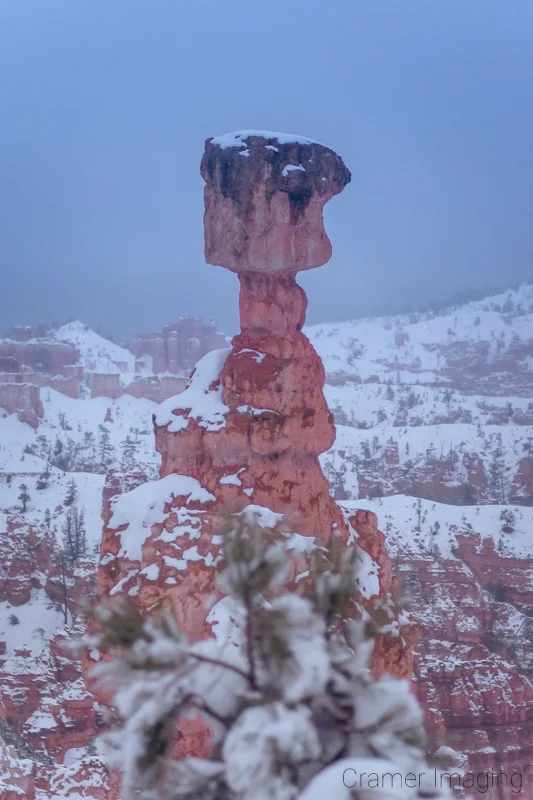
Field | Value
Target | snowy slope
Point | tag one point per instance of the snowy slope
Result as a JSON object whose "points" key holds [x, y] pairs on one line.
{"points": [[96, 353], [414, 526], [67, 422], [421, 347]]}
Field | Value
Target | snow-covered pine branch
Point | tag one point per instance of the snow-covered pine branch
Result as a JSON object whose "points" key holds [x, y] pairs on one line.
{"points": [[287, 707]]}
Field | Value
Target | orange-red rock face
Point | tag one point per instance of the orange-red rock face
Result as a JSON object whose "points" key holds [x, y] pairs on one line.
{"points": [[392, 655], [45, 708], [522, 487], [474, 665], [178, 346], [24, 399], [154, 387], [51, 358]]}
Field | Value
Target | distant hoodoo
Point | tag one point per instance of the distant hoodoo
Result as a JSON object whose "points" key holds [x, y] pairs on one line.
{"points": [[264, 197]]}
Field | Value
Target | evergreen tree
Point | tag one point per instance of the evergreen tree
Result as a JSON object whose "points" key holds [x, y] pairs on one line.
{"points": [[71, 454], [469, 494], [88, 455], [497, 472], [365, 447], [527, 446], [454, 456], [413, 399], [105, 448], [382, 416], [129, 449], [24, 497], [44, 478], [72, 493], [63, 422], [58, 447], [64, 583], [435, 550], [508, 520], [59, 457], [44, 448], [74, 534], [291, 707], [418, 509]]}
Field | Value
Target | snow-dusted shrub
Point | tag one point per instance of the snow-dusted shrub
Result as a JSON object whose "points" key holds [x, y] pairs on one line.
{"points": [[286, 692]]}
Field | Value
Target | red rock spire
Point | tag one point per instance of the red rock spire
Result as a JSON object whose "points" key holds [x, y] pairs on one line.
{"points": [[264, 196]]}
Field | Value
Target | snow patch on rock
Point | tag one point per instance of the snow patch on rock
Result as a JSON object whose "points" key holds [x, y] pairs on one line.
{"points": [[144, 506], [200, 400], [238, 138]]}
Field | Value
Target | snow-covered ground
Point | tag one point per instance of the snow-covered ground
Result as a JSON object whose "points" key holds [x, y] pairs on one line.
{"points": [[30, 625], [417, 526], [381, 346], [84, 437], [96, 353]]}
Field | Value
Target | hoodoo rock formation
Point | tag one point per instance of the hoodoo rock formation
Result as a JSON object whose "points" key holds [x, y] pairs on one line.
{"points": [[178, 346], [248, 429], [264, 196]]}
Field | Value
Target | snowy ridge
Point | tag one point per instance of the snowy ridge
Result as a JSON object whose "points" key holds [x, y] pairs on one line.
{"points": [[423, 527], [424, 347], [96, 353], [238, 138]]}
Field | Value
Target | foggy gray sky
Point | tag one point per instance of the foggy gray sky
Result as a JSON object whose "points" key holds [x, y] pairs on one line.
{"points": [[105, 105]]}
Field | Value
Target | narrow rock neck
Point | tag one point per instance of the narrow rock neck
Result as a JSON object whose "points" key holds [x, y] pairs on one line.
{"points": [[271, 303]]}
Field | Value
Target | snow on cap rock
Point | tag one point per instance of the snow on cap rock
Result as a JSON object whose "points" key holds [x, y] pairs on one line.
{"points": [[238, 138], [200, 400]]}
